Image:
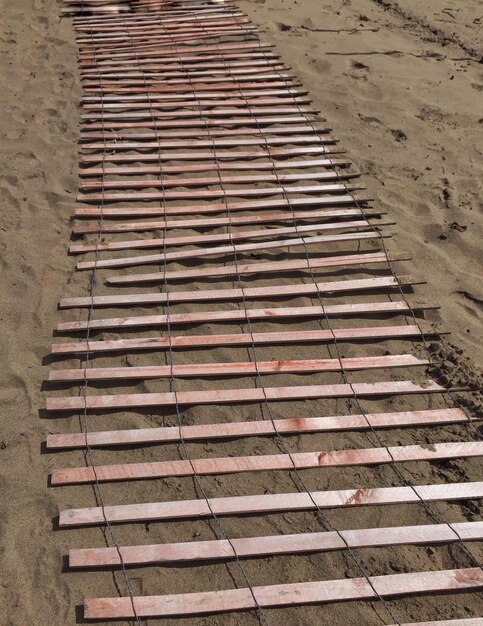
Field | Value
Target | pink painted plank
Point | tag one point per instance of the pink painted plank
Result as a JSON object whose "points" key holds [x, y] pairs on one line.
{"points": [[198, 209], [146, 136], [255, 428], [237, 235], [213, 295], [236, 396], [208, 143], [209, 167], [140, 120], [225, 250], [163, 84], [133, 28], [370, 308], [120, 101], [180, 52], [192, 64], [134, 42], [147, 38], [214, 180], [153, 48], [211, 156], [252, 268], [278, 544], [192, 122], [295, 594], [95, 25], [129, 30], [189, 551], [246, 368], [142, 42], [215, 222], [247, 104], [110, 120], [267, 503], [130, 33], [299, 460], [177, 71]]}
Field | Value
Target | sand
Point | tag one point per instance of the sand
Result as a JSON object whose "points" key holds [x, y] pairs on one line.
{"points": [[402, 90]]}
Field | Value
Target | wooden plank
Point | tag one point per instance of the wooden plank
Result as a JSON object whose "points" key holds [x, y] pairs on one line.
{"points": [[295, 594], [249, 547], [134, 32], [139, 20], [150, 47], [199, 253], [369, 308], [216, 142], [132, 28], [149, 82], [220, 207], [213, 98], [172, 70], [207, 194], [142, 43], [233, 235], [213, 295], [152, 36], [209, 167], [150, 139], [245, 368], [117, 50], [221, 122], [215, 155], [246, 104], [251, 268], [191, 63], [335, 423], [182, 76], [181, 51], [237, 396], [215, 222], [109, 120], [206, 341], [259, 463], [165, 183], [268, 503]]}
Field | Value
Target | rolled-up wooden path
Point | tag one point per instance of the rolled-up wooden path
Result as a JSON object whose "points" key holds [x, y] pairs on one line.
{"points": [[196, 132]]}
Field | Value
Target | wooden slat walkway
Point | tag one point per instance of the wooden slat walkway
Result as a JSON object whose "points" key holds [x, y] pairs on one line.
{"points": [[195, 131]]}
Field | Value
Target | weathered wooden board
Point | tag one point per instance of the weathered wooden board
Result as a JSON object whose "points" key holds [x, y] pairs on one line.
{"points": [[189, 551], [259, 463], [253, 268], [224, 430], [237, 235], [237, 396], [268, 503], [294, 594], [246, 368], [212, 295]]}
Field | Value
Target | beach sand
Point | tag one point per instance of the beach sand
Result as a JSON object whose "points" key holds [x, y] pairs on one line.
{"points": [[401, 86]]}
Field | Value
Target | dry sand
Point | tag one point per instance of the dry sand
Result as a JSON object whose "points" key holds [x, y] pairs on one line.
{"points": [[402, 90]]}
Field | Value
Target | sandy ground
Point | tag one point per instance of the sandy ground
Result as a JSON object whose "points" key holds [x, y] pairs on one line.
{"points": [[401, 87]]}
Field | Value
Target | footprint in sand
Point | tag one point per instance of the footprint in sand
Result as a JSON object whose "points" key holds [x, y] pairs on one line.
{"points": [[358, 70]]}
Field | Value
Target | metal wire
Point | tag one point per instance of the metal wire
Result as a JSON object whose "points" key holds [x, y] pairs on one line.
{"points": [[88, 454], [394, 464], [185, 452], [299, 482], [248, 321]]}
